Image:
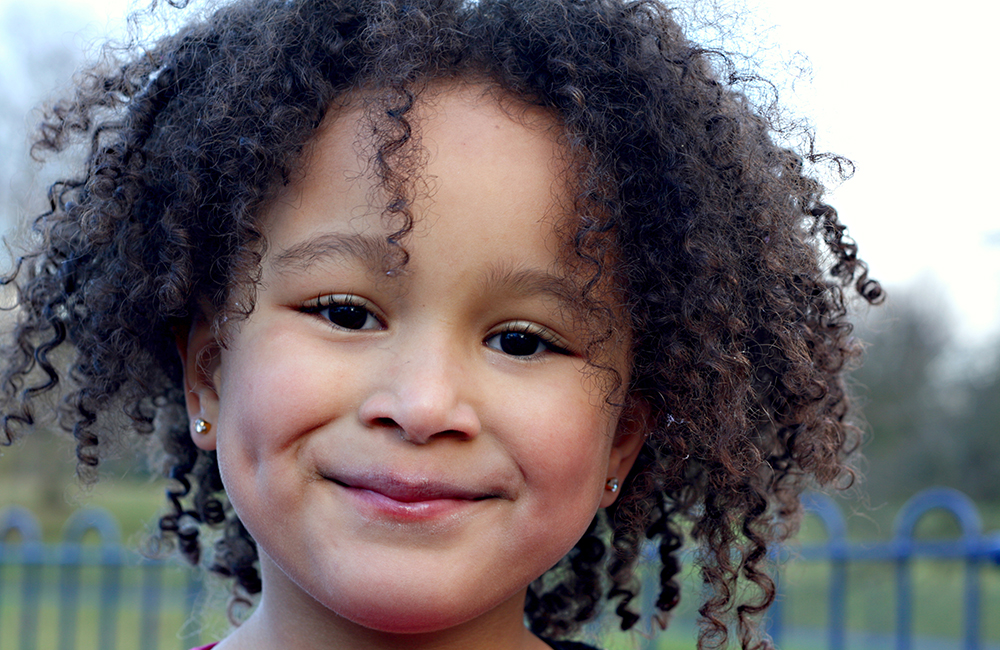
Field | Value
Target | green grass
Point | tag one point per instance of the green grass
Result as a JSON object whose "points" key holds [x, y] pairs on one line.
{"points": [[40, 477]]}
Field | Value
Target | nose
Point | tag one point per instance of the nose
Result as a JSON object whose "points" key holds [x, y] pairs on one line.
{"points": [[423, 394]]}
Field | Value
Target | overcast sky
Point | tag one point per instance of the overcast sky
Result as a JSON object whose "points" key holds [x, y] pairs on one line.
{"points": [[906, 90], [902, 88]]}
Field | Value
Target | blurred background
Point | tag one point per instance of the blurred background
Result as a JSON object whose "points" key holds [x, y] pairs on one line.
{"points": [[902, 89]]}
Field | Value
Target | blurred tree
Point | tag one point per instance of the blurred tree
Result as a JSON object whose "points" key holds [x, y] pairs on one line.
{"points": [[933, 420], [977, 434], [904, 343]]}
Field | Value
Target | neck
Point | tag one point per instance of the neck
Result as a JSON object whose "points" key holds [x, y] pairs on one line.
{"points": [[289, 618]]}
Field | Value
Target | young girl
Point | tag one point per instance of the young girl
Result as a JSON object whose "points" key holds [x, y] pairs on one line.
{"points": [[472, 300]]}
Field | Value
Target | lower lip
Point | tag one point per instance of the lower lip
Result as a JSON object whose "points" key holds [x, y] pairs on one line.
{"points": [[381, 506]]}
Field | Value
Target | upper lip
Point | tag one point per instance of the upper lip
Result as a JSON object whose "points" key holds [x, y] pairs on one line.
{"points": [[411, 489]]}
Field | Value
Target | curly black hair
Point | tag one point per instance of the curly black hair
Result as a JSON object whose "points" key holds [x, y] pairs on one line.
{"points": [[736, 272]]}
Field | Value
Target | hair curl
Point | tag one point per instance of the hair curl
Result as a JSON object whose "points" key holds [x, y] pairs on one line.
{"points": [[734, 267]]}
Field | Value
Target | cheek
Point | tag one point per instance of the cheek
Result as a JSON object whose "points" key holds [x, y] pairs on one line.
{"points": [[254, 418], [566, 445], [270, 400], [272, 391], [564, 462]]}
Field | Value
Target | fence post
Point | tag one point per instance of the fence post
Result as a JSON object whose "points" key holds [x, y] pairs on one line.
{"points": [[904, 590], [191, 632], [824, 507], [775, 612], [152, 584]]}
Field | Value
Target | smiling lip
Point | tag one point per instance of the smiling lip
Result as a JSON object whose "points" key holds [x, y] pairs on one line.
{"points": [[410, 499]]}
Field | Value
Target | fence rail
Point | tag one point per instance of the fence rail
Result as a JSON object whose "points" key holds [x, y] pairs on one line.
{"points": [[49, 577]]}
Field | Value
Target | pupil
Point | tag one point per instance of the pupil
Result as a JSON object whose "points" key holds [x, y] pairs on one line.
{"points": [[351, 317], [518, 343]]}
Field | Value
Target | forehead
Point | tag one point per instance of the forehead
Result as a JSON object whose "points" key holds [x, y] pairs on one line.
{"points": [[468, 145]]}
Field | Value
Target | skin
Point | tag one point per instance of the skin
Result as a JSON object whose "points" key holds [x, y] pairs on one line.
{"points": [[406, 464]]}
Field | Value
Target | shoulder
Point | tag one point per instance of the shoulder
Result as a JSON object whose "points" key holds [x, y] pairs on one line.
{"points": [[569, 645]]}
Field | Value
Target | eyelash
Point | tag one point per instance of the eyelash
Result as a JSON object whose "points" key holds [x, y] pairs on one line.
{"points": [[330, 302], [549, 341]]}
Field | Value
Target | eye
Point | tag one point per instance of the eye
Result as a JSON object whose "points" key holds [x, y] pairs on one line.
{"points": [[346, 312], [524, 340]]}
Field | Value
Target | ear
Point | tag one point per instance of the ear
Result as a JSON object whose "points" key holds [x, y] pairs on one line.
{"points": [[633, 425], [199, 350]]}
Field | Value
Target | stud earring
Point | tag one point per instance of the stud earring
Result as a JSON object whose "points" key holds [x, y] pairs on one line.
{"points": [[202, 426], [611, 485]]}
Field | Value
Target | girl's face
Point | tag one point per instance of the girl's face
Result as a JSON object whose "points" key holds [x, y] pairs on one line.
{"points": [[411, 449]]}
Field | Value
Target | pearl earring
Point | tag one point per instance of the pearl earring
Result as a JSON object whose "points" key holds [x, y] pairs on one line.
{"points": [[611, 485], [202, 426]]}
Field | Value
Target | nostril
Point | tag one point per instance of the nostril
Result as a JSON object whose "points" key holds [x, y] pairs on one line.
{"points": [[452, 433], [386, 422]]}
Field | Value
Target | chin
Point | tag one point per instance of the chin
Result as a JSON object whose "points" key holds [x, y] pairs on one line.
{"points": [[412, 613], [408, 622], [391, 618]]}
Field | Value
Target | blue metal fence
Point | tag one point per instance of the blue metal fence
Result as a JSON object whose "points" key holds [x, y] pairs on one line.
{"points": [[56, 571], [52, 572], [973, 547]]}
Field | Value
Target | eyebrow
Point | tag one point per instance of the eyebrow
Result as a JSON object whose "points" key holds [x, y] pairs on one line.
{"points": [[374, 252], [505, 276]]}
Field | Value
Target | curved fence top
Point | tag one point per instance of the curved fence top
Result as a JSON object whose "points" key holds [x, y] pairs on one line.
{"points": [[824, 507], [959, 505], [21, 520], [98, 520]]}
